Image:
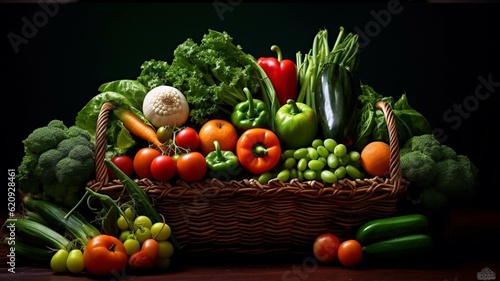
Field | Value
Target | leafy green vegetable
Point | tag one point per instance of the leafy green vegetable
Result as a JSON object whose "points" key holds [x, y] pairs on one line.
{"points": [[212, 76], [153, 73], [133, 90], [372, 125], [118, 138]]}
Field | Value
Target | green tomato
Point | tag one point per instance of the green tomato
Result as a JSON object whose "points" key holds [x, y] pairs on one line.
{"points": [[160, 231], [132, 246], [122, 223], [74, 262], [165, 249], [142, 234], [143, 221], [130, 213], [124, 235], [58, 261]]}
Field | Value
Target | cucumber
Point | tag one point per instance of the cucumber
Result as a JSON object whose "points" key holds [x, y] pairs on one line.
{"points": [[382, 229], [399, 248]]}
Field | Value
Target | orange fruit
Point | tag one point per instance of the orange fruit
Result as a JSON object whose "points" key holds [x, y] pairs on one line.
{"points": [[220, 130], [375, 158]]}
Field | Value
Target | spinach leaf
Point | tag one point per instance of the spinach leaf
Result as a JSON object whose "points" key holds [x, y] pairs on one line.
{"points": [[373, 126]]}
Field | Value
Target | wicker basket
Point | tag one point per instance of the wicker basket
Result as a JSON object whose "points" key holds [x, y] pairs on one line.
{"points": [[249, 217]]}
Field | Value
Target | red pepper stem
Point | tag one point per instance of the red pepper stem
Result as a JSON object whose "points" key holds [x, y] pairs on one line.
{"points": [[277, 49], [251, 109], [295, 109], [259, 150], [112, 247]]}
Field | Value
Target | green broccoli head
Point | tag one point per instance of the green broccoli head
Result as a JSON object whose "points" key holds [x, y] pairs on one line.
{"points": [[418, 168], [58, 162], [427, 144], [43, 139], [456, 178], [46, 166], [75, 131]]}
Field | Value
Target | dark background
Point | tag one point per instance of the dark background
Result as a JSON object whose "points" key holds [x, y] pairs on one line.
{"points": [[433, 52]]}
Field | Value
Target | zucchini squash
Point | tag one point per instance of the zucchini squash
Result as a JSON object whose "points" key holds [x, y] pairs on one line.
{"points": [[381, 229]]}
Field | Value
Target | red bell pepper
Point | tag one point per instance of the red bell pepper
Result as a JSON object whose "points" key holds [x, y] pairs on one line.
{"points": [[283, 75]]}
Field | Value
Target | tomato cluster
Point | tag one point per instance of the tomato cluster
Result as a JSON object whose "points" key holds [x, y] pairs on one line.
{"points": [[328, 249], [180, 159]]}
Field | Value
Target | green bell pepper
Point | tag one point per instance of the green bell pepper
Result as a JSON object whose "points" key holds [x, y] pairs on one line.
{"points": [[251, 113], [296, 125], [222, 165]]}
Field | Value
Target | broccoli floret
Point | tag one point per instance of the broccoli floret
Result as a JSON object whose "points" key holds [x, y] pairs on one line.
{"points": [[43, 139], [452, 176], [75, 131], [456, 178], [427, 144], [57, 124], [418, 168], [46, 167], [57, 164]]}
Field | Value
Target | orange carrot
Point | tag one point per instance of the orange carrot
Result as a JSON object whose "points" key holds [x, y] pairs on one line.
{"points": [[136, 126]]}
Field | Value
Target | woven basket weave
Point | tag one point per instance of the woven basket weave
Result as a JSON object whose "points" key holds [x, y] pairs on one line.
{"points": [[249, 217]]}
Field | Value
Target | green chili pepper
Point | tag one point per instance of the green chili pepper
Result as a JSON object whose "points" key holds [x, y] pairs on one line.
{"points": [[222, 164], [251, 113]]}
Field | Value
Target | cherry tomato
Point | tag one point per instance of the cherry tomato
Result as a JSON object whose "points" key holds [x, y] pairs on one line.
{"points": [[105, 255], [350, 253], [75, 261], [141, 261], [326, 247], [191, 166], [124, 163], [164, 134], [142, 161], [160, 231], [163, 168], [151, 247], [58, 261], [187, 138]]}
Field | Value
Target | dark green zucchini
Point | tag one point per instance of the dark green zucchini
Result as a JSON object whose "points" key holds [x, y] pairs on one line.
{"points": [[385, 228], [336, 104], [400, 248]]}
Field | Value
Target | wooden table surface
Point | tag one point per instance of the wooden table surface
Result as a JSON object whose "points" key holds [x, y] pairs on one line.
{"points": [[474, 239]]}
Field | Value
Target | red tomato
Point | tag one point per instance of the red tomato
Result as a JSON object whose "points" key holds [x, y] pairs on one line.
{"points": [[142, 161], [191, 166], [104, 255], [141, 261], [151, 247], [124, 163], [350, 253], [163, 168], [187, 138], [326, 247]]}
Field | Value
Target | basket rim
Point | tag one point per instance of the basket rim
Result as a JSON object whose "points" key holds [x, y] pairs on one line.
{"points": [[395, 175]]}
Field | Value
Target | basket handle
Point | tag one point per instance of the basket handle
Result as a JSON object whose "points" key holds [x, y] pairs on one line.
{"points": [[101, 171], [395, 166]]}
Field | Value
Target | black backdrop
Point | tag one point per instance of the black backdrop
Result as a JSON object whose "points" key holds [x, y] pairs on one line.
{"points": [[55, 55]]}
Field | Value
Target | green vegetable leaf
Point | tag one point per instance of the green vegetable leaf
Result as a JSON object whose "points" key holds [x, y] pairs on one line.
{"points": [[373, 126], [133, 90], [118, 139]]}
